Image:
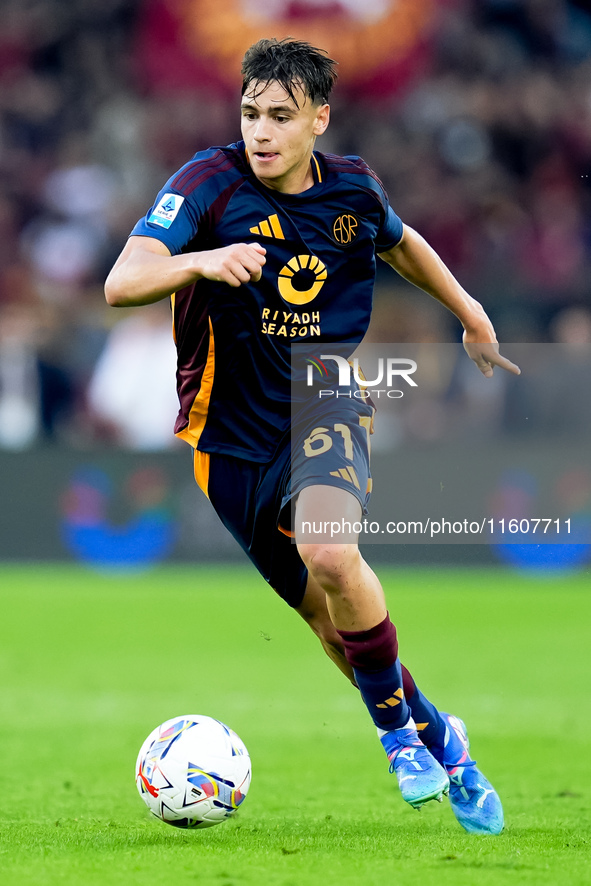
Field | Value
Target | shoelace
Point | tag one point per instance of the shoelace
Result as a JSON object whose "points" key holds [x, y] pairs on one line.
{"points": [[402, 747], [460, 765]]}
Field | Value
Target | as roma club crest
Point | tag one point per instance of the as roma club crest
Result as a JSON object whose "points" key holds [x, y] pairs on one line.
{"points": [[345, 229]]}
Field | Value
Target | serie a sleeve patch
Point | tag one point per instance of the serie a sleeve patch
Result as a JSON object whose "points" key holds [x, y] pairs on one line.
{"points": [[166, 210]]}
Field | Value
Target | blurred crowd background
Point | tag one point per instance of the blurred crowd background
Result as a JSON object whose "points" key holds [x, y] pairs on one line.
{"points": [[476, 115]]}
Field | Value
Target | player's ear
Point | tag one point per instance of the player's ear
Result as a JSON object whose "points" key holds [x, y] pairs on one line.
{"points": [[322, 119]]}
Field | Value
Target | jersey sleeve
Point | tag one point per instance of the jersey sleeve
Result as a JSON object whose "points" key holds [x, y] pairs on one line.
{"points": [[391, 228], [173, 219], [390, 232], [182, 209]]}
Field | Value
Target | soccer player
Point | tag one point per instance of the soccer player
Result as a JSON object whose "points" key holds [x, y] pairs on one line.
{"points": [[260, 244]]}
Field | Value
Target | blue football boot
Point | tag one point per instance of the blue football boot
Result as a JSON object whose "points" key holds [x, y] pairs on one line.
{"points": [[420, 777], [474, 801]]}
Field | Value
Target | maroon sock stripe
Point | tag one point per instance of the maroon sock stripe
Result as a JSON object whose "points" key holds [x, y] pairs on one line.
{"points": [[372, 650], [408, 683]]}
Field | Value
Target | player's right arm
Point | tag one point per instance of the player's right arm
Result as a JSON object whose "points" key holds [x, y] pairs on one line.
{"points": [[146, 272]]}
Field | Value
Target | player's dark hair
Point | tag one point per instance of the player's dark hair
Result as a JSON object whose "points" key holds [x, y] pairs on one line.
{"points": [[294, 64]]}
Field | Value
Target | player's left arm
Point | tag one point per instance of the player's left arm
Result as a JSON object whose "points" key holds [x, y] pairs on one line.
{"points": [[418, 263]]}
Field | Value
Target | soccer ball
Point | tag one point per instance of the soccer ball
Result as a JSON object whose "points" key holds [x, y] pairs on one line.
{"points": [[193, 772]]}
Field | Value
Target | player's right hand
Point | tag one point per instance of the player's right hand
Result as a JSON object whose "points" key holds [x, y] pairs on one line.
{"points": [[234, 265]]}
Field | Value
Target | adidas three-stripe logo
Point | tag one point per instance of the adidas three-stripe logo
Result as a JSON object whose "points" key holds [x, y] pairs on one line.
{"points": [[393, 700], [269, 227], [347, 474]]}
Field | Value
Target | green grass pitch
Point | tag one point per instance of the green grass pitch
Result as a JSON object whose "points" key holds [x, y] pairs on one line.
{"points": [[90, 664]]}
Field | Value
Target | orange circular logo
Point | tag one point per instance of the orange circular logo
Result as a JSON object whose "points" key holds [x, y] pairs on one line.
{"points": [[301, 279], [345, 229]]}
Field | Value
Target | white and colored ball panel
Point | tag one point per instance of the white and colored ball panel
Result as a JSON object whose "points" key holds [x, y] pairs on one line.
{"points": [[193, 771]]}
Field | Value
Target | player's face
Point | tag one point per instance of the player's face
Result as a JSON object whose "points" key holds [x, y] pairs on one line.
{"points": [[280, 136]]}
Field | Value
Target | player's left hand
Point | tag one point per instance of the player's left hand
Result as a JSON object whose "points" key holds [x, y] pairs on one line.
{"points": [[486, 356]]}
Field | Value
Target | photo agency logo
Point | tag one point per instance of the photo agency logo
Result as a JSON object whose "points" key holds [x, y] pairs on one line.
{"points": [[347, 379]]}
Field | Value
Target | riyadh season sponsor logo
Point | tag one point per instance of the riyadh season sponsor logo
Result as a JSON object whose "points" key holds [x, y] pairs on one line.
{"points": [[389, 374]]}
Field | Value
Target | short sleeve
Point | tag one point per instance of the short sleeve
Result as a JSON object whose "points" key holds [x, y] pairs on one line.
{"points": [[390, 232], [173, 219], [391, 229]]}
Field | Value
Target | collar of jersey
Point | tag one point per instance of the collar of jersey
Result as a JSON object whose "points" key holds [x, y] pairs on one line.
{"points": [[318, 174]]}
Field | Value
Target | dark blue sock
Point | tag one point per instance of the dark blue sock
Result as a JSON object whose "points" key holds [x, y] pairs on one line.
{"points": [[383, 695], [430, 726], [373, 655]]}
